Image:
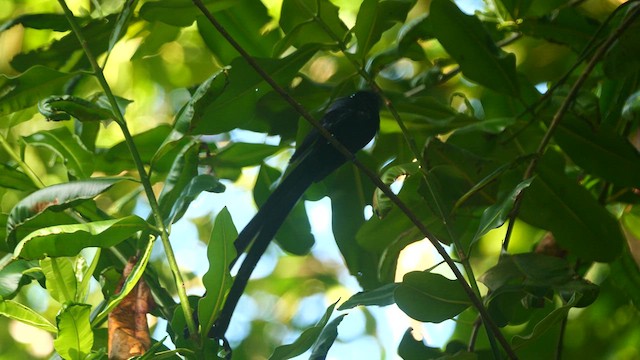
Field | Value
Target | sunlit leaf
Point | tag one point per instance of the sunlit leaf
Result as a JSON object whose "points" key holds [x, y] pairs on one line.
{"points": [[75, 338], [17, 311], [217, 279], [68, 240]]}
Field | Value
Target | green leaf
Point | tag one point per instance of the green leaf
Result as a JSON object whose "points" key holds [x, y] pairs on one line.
{"points": [[196, 185], [60, 53], [600, 152], [566, 26], [430, 297], [68, 240], [294, 235], [179, 12], [496, 215], [549, 322], [217, 279], [381, 203], [381, 296], [239, 155], [376, 17], [578, 222], [78, 160], [192, 113], [56, 198], [326, 339], [623, 58], [412, 349], [305, 341], [236, 106], [118, 157], [310, 22], [245, 22], [16, 311], [466, 40], [184, 169], [75, 337], [60, 278], [12, 178], [55, 22], [26, 89], [58, 108], [13, 277]]}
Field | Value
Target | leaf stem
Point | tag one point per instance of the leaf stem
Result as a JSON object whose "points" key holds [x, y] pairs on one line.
{"points": [[144, 178]]}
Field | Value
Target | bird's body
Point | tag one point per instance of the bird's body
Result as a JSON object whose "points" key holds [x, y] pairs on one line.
{"points": [[353, 121]]}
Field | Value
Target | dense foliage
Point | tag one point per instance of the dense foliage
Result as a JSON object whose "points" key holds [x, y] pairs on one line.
{"points": [[509, 136]]}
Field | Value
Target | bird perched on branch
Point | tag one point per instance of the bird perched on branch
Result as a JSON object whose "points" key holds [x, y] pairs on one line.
{"points": [[353, 121]]}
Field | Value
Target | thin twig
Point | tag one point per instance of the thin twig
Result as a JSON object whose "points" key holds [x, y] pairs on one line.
{"points": [[476, 301]]}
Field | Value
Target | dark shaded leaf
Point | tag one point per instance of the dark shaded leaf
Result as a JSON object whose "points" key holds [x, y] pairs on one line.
{"points": [[430, 297], [470, 45], [381, 296], [376, 17]]}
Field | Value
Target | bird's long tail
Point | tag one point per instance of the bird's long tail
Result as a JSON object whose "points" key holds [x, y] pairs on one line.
{"points": [[260, 231]]}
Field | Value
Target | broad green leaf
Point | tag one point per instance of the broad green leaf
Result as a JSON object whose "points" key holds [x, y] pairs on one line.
{"points": [[623, 58], [191, 114], [326, 339], [236, 106], [625, 271], [381, 296], [179, 12], [496, 215], [118, 157], [13, 277], [26, 89], [578, 222], [466, 40], [294, 235], [55, 22], [381, 203], [350, 193], [217, 279], [184, 169], [430, 297], [60, 53], [63, 107], [567, 27], [56, 198], [412, 349], [245, 22], [196, 185], [310, 22], [600, 152], [376, 17], [550, 321], [16, 311], [68, 240], [60, 278], [78, 160], [305, 341], [519, 279], [12, 178], [239, 155], [75, 338]]}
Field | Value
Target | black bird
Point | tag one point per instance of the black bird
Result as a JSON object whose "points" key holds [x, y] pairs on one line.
{"points": [[353, 121]]}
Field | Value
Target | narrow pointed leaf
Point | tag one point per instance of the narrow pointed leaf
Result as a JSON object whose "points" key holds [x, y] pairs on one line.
{"points": [[16, 311]]}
